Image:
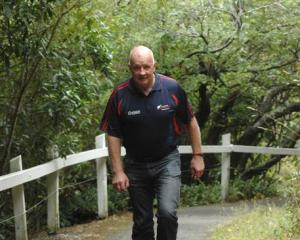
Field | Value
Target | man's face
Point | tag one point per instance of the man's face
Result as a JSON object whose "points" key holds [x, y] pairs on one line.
{"points": [[142, 68]]}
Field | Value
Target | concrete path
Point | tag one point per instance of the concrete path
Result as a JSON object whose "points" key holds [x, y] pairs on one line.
{"points": [[195, 223]]}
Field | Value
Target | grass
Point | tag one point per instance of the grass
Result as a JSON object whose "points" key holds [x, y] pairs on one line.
{"points": [[270, 223], [266, 223]]}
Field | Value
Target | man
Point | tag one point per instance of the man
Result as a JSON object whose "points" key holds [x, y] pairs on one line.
{"points": [[143, 114]]}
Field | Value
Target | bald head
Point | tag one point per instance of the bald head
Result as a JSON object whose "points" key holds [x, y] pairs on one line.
{"points": [[142, 67], [140, 52]]}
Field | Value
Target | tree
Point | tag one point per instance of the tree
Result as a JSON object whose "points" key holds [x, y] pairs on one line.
{"points": [[49, 74], [53, 81], [238, 60]]}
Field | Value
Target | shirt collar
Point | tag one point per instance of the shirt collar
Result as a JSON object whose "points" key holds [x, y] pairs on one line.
{"points": [[156, 87]]}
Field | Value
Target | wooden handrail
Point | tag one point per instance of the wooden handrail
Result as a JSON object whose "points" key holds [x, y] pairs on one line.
{"points": [[15, 180]]}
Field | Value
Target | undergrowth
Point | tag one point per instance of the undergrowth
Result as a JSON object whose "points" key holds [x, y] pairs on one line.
{"points": [[271, 222]]}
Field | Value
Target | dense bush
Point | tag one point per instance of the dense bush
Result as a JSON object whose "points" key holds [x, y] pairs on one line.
{"points": [[269, 222], [241, 76], [256, 187], [117, 201], [200, 194], [293, 207], [291, 190], [80, 204]]}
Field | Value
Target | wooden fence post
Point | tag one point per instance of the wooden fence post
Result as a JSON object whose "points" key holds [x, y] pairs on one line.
{"points": [[297, 145], [101, 179], [53, 195], [225, 168], [19, 202]]}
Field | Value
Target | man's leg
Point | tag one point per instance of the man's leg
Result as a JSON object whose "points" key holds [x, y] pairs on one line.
{"points": [[168, 193], [142, 201], [141, 194]]}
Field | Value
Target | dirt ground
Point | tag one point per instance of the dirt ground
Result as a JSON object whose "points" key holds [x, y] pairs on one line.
{"points": [[95, 230]]}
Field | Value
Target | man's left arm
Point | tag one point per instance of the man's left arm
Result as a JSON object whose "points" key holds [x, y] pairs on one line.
{"points": [[197, 162]]}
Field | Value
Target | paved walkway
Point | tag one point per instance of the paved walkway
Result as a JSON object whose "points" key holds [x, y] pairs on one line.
{"points": [[195, 223]]}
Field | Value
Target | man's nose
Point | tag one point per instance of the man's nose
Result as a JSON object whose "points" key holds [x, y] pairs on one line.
{"points": [[142, 71]]}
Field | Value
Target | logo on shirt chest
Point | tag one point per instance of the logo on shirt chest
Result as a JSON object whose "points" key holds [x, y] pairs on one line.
{"points": [[134, 112], [163, 107]]}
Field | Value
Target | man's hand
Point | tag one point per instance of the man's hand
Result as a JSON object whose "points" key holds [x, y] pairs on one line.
{"points": [[197, 167], [120, 181]]}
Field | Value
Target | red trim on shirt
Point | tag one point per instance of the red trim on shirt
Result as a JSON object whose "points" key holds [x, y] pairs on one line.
{"points": [[120, 107], [123, 85], [109, 106], [176, 100], [176, 126]]}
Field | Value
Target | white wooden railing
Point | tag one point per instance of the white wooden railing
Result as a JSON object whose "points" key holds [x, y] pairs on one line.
{"points": [[51, 169]]}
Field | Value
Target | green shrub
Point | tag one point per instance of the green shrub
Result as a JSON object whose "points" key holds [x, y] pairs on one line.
{"points": [[78, 204], [293, 205], [117, 201], [260, 224], [200, 194], [270, 222], [7, 228], [256, 187]]}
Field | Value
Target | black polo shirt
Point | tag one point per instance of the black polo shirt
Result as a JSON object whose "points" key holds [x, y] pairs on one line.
{"points": [[148, 125]]}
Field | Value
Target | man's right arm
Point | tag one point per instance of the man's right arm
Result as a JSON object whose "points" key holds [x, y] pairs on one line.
{"points": [[120, 181]]}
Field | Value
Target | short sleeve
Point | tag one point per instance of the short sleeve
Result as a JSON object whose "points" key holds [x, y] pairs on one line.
{"points": [[184, 110], [110, 122]]}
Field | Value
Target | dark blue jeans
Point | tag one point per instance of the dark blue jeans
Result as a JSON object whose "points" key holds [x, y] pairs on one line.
{"points": [[160, 179]]}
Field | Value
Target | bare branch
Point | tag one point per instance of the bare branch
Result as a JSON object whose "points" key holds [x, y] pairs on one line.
{"points": [[253, 130], [277, 3], [267, 102], [289, 142], [227, 43], [277, 66]]}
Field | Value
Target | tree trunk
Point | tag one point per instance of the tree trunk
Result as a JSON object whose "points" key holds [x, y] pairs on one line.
{"points": [[203, 110], [26, 80], [250, 136], [288, 143], [219, 125]]}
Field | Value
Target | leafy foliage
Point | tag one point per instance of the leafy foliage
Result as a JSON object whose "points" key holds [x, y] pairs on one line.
{"points": [[52, 87], [270, 222], [117, 201], [238, 61], [290, 178], [262, 223], [257, 187], [200, 194]]}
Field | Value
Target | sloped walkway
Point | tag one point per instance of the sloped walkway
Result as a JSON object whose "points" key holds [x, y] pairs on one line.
{"points": [[195, 223]]}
